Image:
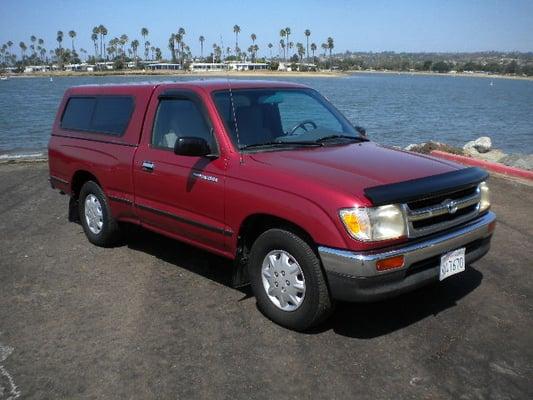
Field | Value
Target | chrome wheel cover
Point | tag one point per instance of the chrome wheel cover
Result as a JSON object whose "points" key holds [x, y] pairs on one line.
{"points": [[93, 214], [283, 280]]}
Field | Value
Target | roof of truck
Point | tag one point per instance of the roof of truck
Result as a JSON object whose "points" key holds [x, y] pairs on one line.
{"points": [[206, 84]]}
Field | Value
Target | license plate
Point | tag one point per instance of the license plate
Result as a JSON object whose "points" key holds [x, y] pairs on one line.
{"points": [[452, 263]]}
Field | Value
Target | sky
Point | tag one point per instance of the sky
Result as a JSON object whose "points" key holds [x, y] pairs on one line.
{"points": [[414, 26]]}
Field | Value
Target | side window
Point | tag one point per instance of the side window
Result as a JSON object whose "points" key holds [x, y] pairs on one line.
{"points": [[176, 118], [100, 114], [78, 113]]}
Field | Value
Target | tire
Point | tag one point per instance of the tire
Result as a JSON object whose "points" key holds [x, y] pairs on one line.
{"points": [[280, 251], [102, 229]]}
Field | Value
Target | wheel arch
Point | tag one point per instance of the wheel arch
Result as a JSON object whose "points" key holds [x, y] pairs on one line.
{"points": [[78, 180]]}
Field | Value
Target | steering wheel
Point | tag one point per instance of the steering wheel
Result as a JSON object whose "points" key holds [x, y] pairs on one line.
{"points": [[302, 126]]}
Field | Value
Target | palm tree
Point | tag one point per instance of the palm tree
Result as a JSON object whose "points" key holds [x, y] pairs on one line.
{"points": [[134, 47], [84, 52], [270, 45], [288, 34], [123, 40], [330, 45], [72, 35], [23, 48], [307, 33], [282, 33], [94, 38], [202, 40], [146, 49], [313, 49], [253, 36], [59, 38], [236, 31], [102, 31], [301, 50], [152, 49], [157, 53], [33, 39], [144, 33], [324, 47]]}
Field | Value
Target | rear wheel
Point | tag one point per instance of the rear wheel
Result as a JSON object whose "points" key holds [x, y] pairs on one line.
{"points": [[95, 215], [287, 280]]}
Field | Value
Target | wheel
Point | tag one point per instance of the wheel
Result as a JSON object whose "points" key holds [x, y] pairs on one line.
{"points": [[287, 280], [95, 215]]}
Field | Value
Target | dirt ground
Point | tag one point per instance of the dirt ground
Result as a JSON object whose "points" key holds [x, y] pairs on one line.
{"points": [[157, 319]]}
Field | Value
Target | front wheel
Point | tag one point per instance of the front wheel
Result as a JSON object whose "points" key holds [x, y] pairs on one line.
{"points": [[287, 280]]}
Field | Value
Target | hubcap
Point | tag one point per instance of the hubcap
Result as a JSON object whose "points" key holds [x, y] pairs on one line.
{"points": [[283, 280], [93, 214]]}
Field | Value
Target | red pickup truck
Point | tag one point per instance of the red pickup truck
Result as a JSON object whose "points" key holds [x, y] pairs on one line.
{"points": [[274, 177]]}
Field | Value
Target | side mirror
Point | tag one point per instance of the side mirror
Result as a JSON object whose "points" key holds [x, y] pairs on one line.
{"points": [[361, 130], [191, 146]]}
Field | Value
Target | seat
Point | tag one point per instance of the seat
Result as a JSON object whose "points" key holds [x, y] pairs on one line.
{"points": [[250, 123]]}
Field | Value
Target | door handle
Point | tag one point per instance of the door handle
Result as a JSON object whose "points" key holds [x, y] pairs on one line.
{"points": [[148, 166]]}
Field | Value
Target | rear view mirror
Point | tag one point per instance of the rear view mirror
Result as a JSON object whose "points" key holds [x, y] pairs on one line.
{"points": [[191, 146], [361, 130]]}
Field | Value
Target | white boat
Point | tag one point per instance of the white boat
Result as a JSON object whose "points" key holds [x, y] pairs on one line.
{"points": [[3, 78]]}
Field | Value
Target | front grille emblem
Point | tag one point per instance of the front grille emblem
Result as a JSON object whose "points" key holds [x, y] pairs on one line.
{"points": [[451, 206]]}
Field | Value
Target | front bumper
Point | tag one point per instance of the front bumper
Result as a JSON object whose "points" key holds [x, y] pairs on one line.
{"points": [[352, 276]]}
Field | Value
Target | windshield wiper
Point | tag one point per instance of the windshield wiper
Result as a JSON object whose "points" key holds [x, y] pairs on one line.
{"points": [[352, 138], [281, 144]]}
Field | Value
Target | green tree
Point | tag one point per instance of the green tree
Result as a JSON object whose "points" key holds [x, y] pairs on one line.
{"points": [[72, 35], [288, 34], [307, 33], [441, 67], [270, 45]]}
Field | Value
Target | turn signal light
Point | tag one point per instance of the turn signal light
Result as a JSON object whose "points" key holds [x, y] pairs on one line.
{"points": [[390, 263]]}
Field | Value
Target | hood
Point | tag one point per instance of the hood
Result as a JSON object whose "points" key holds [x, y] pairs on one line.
{"points": [[351, 168]]}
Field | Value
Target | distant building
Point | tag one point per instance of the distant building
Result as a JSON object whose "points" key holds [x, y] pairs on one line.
{"points": [[206, 67], [163, 66], [247, 66], [36, 68]]}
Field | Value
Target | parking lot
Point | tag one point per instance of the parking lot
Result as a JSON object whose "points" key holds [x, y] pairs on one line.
{"points": [[158, 319]]}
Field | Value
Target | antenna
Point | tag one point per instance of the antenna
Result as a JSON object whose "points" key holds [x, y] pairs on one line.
{"points": [[234, 115]]}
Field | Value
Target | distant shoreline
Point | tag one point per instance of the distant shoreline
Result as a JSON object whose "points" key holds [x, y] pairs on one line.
{"points": [[259, 73], [460, 74], [138, 72]]}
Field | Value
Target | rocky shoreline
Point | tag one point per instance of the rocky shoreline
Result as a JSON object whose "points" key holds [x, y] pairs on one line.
{"points": [[480, 148]]}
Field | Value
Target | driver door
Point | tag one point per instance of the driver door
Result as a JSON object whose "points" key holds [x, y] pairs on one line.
{"points": [[180, 195]]}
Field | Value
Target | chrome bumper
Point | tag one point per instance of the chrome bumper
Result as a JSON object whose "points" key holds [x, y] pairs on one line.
{"points": [[362, 265]]}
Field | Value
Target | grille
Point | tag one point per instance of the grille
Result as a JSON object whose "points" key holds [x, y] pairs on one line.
{"points": [[437, 213]]}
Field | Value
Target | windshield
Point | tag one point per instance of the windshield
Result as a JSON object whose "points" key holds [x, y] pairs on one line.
{"points": [[257, 117]]}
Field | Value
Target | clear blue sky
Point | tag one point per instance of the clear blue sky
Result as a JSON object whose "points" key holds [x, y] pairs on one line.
{"points": [[421, 25]]}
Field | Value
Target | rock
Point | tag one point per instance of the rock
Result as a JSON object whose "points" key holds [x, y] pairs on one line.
{"points": [[480, 145], [428, 147], [495, 155], [518, 161]]}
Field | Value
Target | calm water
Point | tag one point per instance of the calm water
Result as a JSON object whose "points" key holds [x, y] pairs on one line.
{"points": [[395, 109]]}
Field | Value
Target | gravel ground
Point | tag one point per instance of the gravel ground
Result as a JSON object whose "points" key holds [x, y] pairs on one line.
{"points": [[157, 319]]}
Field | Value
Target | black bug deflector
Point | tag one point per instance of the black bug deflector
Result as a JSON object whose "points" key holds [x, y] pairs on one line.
{"points": [[428, 186]]}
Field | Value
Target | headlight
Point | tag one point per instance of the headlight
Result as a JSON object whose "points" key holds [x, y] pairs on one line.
{"points": [[374, 223], [484, 200]]}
